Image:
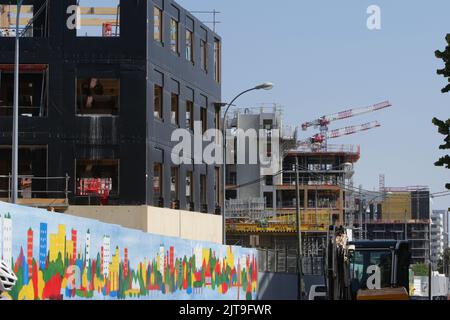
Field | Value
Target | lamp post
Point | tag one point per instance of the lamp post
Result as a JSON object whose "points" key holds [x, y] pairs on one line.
{"points": [[265, 86], [15, 134]]}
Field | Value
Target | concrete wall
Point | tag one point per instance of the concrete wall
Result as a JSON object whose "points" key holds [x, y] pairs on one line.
{"points": [[161, 221], [284, 286]]}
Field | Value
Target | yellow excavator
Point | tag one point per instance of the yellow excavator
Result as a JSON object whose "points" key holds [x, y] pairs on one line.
{"points": [[365, 269]]}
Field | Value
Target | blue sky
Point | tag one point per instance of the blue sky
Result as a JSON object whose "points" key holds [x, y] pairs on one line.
{"points": [[323, 59]]}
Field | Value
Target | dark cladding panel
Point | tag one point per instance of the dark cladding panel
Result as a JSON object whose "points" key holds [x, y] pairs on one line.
{"points": [[420, 205]]}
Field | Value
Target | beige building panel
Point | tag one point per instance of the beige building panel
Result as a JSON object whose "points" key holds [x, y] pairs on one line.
{"points": [[161, 221]]}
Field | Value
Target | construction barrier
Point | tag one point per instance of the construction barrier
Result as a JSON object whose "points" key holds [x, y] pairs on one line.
{"points": [[56, 256]]}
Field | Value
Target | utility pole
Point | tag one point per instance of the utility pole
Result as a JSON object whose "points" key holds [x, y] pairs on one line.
{"points": [[15, 133], [299, 231]]}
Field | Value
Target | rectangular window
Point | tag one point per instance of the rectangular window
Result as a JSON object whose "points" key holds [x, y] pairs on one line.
{"points": [[189, 189], [189, 45], [203, 190], [97, 177], [190, 115], [174, 46], [98, 96], [99, 21], [174, 117], [33, 90], [217, 186], [174, 184], [204, 55], [157, 182], [158, 102], [157, 24], [204, 119], [217, 60]]}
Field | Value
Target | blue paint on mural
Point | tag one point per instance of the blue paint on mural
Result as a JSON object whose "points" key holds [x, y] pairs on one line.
{"points": [[57, 256]]}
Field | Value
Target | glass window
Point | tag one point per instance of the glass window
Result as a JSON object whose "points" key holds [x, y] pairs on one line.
{"points": [[157, 24], [189, 45], [217, 186], [217, 62], [157, 181], [204, 54], [98, 96], [203, 189], [174, 35], [8, 20], [204, 119], [174, 185], [361, 260], [174, 109], [158, 102], [190, 115], [189, 188]]}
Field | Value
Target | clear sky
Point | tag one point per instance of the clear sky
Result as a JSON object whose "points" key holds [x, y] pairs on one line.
{"points": [[323, 59]]}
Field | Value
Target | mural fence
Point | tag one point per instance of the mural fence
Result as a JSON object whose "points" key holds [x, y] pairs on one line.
{"points": [[57, 257]]}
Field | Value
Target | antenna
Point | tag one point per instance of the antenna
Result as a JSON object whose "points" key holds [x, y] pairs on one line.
{"points": [[214, 14]]}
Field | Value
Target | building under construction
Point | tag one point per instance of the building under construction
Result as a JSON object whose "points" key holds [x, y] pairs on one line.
{"points": [[102, 86], [396, 211], [262, 213]]}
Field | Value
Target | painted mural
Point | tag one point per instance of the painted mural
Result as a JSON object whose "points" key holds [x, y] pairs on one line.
{"points": [[59, 257]]}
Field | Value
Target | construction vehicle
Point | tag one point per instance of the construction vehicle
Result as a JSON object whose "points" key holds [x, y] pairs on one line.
{"points": [[366, 270]]}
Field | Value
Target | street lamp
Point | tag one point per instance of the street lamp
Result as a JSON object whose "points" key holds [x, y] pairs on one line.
{"points": [[15, 135], [263, 86]]}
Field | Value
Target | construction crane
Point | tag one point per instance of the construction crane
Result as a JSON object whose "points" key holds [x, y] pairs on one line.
{"points": [[324, 121], [321, 138]]}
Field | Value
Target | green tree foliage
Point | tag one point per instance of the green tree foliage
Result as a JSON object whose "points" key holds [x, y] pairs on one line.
{"points": [[444, 262], [420, 270], [444, 126]]}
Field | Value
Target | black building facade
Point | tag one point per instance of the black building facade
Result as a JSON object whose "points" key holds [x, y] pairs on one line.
{"points": [[99, 103]]}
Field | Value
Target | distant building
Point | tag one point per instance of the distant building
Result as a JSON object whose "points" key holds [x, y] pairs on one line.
{"points": [[438, 235], [398, 209]]}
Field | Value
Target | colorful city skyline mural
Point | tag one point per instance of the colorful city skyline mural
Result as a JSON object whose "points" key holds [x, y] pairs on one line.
{"points": [[58, 257]]}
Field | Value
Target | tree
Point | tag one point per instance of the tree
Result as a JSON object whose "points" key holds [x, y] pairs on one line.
{"points": [[444, 126], [420, 269]]}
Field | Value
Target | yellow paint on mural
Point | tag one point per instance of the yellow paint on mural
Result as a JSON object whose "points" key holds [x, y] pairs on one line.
{"points": [[84, 279], [230, 257], [41, 284], [64, 283], [27, 292], [205, 254]]}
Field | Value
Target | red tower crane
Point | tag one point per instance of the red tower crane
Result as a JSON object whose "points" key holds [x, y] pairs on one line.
{"points": [[324, 121], [321, 138]]}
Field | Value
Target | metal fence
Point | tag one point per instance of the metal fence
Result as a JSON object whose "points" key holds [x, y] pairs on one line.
{"points": [[31, 187], [285, 261]]}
